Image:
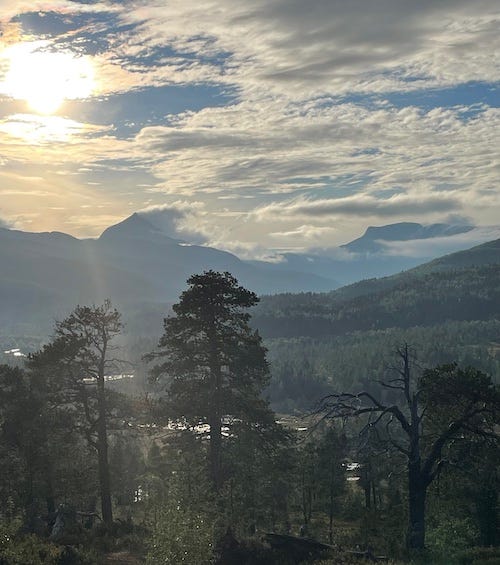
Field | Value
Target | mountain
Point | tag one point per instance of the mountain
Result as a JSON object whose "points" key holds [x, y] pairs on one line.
{"points": [[138, 246], [481, 255], [44, 275], [372, 241], [448, 309], [142, 269], [369, 255]]}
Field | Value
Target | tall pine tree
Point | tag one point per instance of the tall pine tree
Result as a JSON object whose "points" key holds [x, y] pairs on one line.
{"points": [[213, 364]]}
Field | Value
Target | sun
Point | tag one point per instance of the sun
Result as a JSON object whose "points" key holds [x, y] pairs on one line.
{"points": [[45, 79]]}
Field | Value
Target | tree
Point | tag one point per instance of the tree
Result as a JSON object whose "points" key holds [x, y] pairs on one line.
{"points": [[331, 453], [213, 363], [22, 434], [448, 402], [81, 353]]}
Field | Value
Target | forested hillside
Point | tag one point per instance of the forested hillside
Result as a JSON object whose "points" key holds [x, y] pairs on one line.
{"points": [[447, 310], [304, 369], [412, 299]]}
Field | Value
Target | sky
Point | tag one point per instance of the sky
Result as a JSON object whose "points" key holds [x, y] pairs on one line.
{"points": [[249, 125]]}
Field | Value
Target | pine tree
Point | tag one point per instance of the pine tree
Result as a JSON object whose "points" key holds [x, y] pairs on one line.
{"points": [[213, 364], [82, 353]]}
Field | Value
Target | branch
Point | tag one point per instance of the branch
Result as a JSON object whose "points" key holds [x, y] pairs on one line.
{"points": [[435, 452], [392, 441], [387, 385], [343, 406]]}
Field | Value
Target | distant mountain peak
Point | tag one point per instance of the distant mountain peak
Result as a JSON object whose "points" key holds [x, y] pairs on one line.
{"points": [[370, 241], [135, 226]]}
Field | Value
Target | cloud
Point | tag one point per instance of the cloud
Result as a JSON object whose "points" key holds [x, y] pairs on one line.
{"points": [[5, 223], [311, 162], [12, 8], [192, 223], [307, 49], [48, 130], [435, 247], [285, 48], [363, 205], [305, 231], [180, 220], [309, 141], [280, 149]]}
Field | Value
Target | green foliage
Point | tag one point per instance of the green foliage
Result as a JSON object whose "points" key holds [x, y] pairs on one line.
{"points": [[36, 434], [210, 358], [82, 356], [127, 466], [271, 480], [30, 549], [306, 369], [214, 366], [452, 535], [182, 532]]}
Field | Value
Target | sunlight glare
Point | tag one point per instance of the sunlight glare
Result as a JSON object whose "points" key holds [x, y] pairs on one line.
{"points": [[45, 79], [39, 130]]}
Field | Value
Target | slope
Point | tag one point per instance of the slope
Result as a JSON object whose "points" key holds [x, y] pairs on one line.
{"points": [[461, 286]]}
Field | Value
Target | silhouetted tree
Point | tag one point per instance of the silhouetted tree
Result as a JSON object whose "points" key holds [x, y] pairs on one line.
{"points": [[448, 401], [82, 354], [213, 364]]}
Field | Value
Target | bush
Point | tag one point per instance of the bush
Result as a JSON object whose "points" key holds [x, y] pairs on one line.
{"points": [[181, 535], [452, 535], [32, 550], [28, 549]]}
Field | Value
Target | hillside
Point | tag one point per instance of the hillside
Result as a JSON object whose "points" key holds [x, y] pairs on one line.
{"points": [[460, 286], [142, 269], [448, 310]]}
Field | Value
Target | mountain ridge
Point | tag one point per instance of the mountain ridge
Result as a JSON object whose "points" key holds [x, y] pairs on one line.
{"points": [[372, 240], [137, 265]]}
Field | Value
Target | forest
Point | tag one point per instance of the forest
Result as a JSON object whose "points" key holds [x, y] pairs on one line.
{"points": [[363, 428]]}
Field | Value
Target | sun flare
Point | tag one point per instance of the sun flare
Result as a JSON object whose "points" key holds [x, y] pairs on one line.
{"points": [[45, 79]]}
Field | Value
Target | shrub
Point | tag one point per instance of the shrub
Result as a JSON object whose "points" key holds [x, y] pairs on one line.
{"points": [[452, 535], [181, 535]]}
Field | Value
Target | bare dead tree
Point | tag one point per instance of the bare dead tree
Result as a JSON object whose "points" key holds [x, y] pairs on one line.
{"points": [[450, 402]]}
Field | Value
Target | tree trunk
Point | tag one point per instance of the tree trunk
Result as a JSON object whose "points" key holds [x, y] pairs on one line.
{"points": [[102, 453], [215, 416], [418, 481], [49, 497], [330, 524], [415, 538], [215, 446], [332, 495]]}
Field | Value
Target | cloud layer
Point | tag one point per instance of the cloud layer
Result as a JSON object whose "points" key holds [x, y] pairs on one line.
{"points": [[327, 116]]}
